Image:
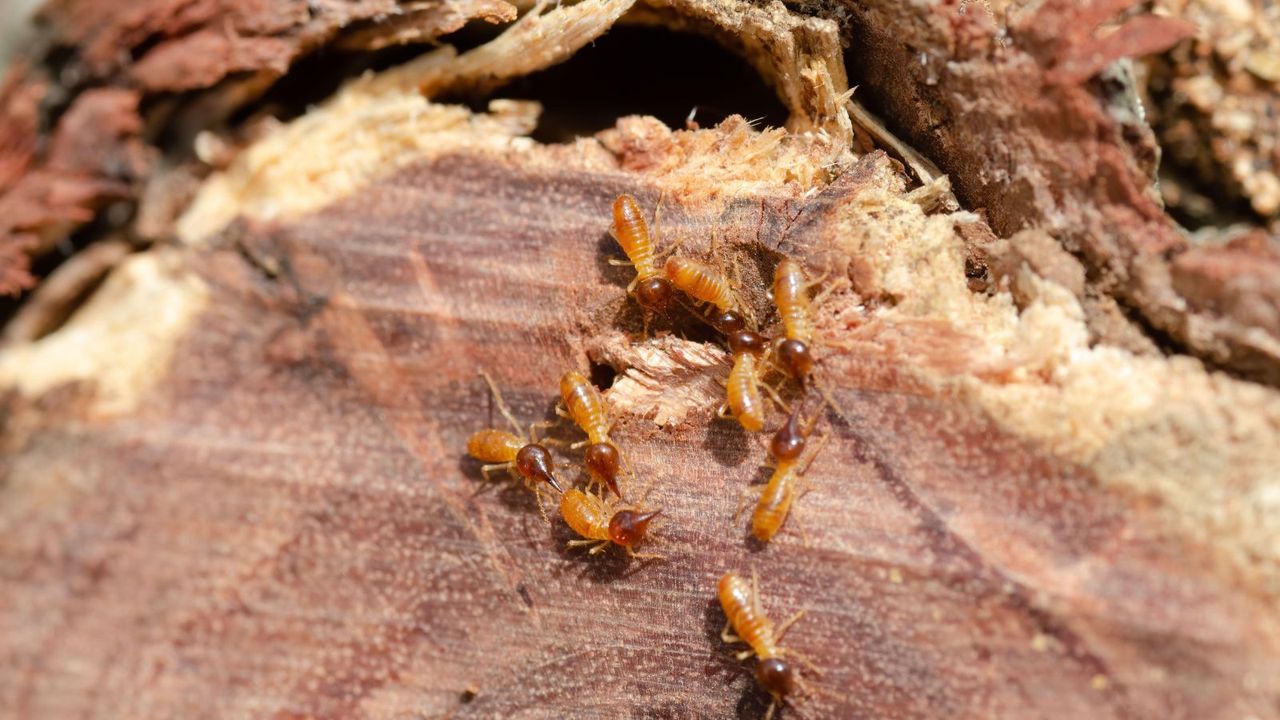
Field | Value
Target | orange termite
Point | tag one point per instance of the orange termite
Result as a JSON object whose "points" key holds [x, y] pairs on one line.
{"points": [[791, 295], [743, 387], [700, 282], [652, 290], [593, 518], [586, 409], [750, 625], [775, 502], [513, 452]]}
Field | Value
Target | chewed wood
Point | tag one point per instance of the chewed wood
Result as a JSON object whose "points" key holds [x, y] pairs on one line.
{"points": [[289, 527]]}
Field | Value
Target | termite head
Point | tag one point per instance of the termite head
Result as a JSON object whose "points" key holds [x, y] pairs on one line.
{"points": [[654, 294], [776, 676], [602, 462], [728, 322], [794, 354], [533, 462], [628, 527], [747, 341], [788, 442]]}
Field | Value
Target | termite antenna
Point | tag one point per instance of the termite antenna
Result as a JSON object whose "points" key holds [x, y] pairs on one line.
{"points": [[502, 405]]}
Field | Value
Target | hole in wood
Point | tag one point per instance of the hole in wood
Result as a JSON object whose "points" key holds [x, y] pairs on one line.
{"points": [[602, 375], [641, 71]]}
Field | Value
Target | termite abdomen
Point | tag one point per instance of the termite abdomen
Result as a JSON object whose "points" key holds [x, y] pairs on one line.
{"points": [[632, 233], [699, 282], [494, 446], [744, 393], [652, 291], [585, 405]]}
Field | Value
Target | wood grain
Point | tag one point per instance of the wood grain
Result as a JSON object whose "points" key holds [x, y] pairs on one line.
{"points": [[288, 528], [233, 484]]}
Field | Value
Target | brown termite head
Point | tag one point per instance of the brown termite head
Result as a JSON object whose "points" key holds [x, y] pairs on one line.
{"points": [[534, 463], [777, 676], [788, 442], [654, 294], [728, 322], [795, 355], [747, 341], [602, 461], [628, 527]]}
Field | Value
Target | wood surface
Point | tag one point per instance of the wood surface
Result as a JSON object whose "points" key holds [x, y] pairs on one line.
{"points": [[233, 483]]}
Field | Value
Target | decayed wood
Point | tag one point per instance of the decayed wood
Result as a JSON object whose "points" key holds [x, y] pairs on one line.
{"points": [[1086, 181], [234, 485]]}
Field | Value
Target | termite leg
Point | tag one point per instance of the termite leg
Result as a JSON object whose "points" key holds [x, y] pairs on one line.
{"points": [[616, 262], [744, 502], [755, 594], [541, 425], [804, 659], [657, 213], [773, 393], [814, 456], [784, 627], [598, 485], [804, 536], [644, 556], [583, 543], [580, 443], [829, 401], [560, 411], [773, 705], [486, 469], [744, 654]]}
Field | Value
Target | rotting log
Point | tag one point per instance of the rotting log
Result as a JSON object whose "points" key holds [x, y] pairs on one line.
{"points": [[233, 481]]}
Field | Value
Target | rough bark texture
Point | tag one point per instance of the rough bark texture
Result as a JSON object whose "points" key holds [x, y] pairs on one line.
{"points": [[233, 481]]}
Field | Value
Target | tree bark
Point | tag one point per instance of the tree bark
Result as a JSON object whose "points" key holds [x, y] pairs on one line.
{"points": [[234, 419]]}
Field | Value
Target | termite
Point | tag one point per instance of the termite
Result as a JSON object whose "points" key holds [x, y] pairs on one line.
{"points": [[593, 518], [743, 387], [515, 453], [749, 624], [700, 282], [652, 290], [586, 409], [774, 504], [791, 295]]}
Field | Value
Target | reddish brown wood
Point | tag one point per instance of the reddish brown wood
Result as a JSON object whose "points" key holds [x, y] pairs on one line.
{"points": [[286, 525]]}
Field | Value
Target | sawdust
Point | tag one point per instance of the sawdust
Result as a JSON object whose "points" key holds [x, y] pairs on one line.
{"points": [[1202, 444]]}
